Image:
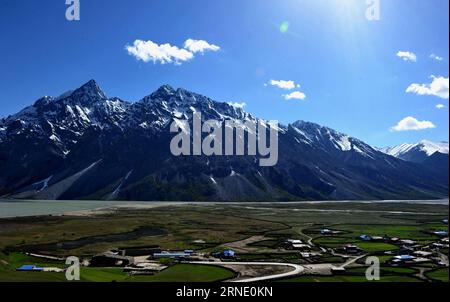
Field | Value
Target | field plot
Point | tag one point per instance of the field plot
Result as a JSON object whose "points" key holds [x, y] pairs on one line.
{"points": [[329, 241]]}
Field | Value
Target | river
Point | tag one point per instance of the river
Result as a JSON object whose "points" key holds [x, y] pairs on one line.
{"points": [[22, 208]]}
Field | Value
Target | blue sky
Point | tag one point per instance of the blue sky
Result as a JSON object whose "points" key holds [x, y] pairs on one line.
{"points": [[353, 73]]}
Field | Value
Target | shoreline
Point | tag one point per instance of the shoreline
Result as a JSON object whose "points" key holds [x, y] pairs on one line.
{"points": [[38, 208]]}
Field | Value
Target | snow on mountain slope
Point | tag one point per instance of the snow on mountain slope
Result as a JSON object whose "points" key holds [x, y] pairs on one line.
{"points": [[417, 152], [329, 139], [431, 147], [59, 137]]}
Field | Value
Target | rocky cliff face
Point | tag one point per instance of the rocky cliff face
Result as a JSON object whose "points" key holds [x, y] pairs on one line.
{"points": [[84, 145]]}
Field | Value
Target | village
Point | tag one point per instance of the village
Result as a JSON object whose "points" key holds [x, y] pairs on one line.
{"points": [[305, 257]]}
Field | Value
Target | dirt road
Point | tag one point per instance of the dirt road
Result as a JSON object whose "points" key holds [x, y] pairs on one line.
{"points": [[294, 269]]}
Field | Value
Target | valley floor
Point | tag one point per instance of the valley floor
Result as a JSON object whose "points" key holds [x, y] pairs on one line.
{"points": [[326, 233]]}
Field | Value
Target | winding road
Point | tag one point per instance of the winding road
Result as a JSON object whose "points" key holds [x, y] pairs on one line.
{"points": [[297, 269]]}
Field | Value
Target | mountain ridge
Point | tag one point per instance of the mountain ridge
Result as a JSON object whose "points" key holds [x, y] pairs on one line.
{"points": [[417, 152], [84, 145]]}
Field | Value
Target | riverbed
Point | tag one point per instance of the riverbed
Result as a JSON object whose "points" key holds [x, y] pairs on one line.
{"points": [[24, 208]]}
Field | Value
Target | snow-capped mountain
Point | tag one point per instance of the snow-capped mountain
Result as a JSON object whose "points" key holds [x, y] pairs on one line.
{"points": [[418, 152], [64, 119], [86, 145], [329, 139]]}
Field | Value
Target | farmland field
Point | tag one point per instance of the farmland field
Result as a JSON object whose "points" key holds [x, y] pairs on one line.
{"points": [[255, 231]]}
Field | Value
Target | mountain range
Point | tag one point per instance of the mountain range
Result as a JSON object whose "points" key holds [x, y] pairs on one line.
{"points": [[417, 152], [86, 145]]}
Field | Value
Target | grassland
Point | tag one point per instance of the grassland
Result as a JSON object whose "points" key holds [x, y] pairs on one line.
{"points": [[439, 275], [183, 225], [188, 272], [350, 278], [176, 273], [211, 227]]}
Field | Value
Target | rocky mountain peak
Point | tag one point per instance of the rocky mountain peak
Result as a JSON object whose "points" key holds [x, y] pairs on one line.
{"points": [[163, 92], [84, 145], [90, 89]]}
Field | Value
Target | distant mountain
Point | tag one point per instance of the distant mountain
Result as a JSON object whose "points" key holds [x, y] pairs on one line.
{"points": [[85, 145], [417, 152], [438, 164]]}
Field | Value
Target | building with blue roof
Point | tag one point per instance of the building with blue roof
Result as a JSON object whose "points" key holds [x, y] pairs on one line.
{"points": [[365, 238], [229, 254], [403, 259], [29, 268]]}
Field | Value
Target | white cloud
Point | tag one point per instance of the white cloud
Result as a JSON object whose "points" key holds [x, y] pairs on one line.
{"points": [[440, 106], [436, 57], [439, 87], [283, 84], [201, 46], [411, 123], [296, 95], [238, 105], [165, 53], [407, 56]]}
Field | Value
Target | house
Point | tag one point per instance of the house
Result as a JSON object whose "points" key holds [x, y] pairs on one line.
{"points": [[421, 260], [305, 255], [423, 254], [229, 254], [417, 247], [145, 268], [29, 268], [292, 244], [326, 232], [293, 241], [168, 255], [224, 254], [405, 251], [403, 259], [53, 270], [408, 242], [136, 252], [441, 233], [336, 270], [440, 245], [365, 238], [400, 251], [301, 247], [378, 238], [352, 249]]}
